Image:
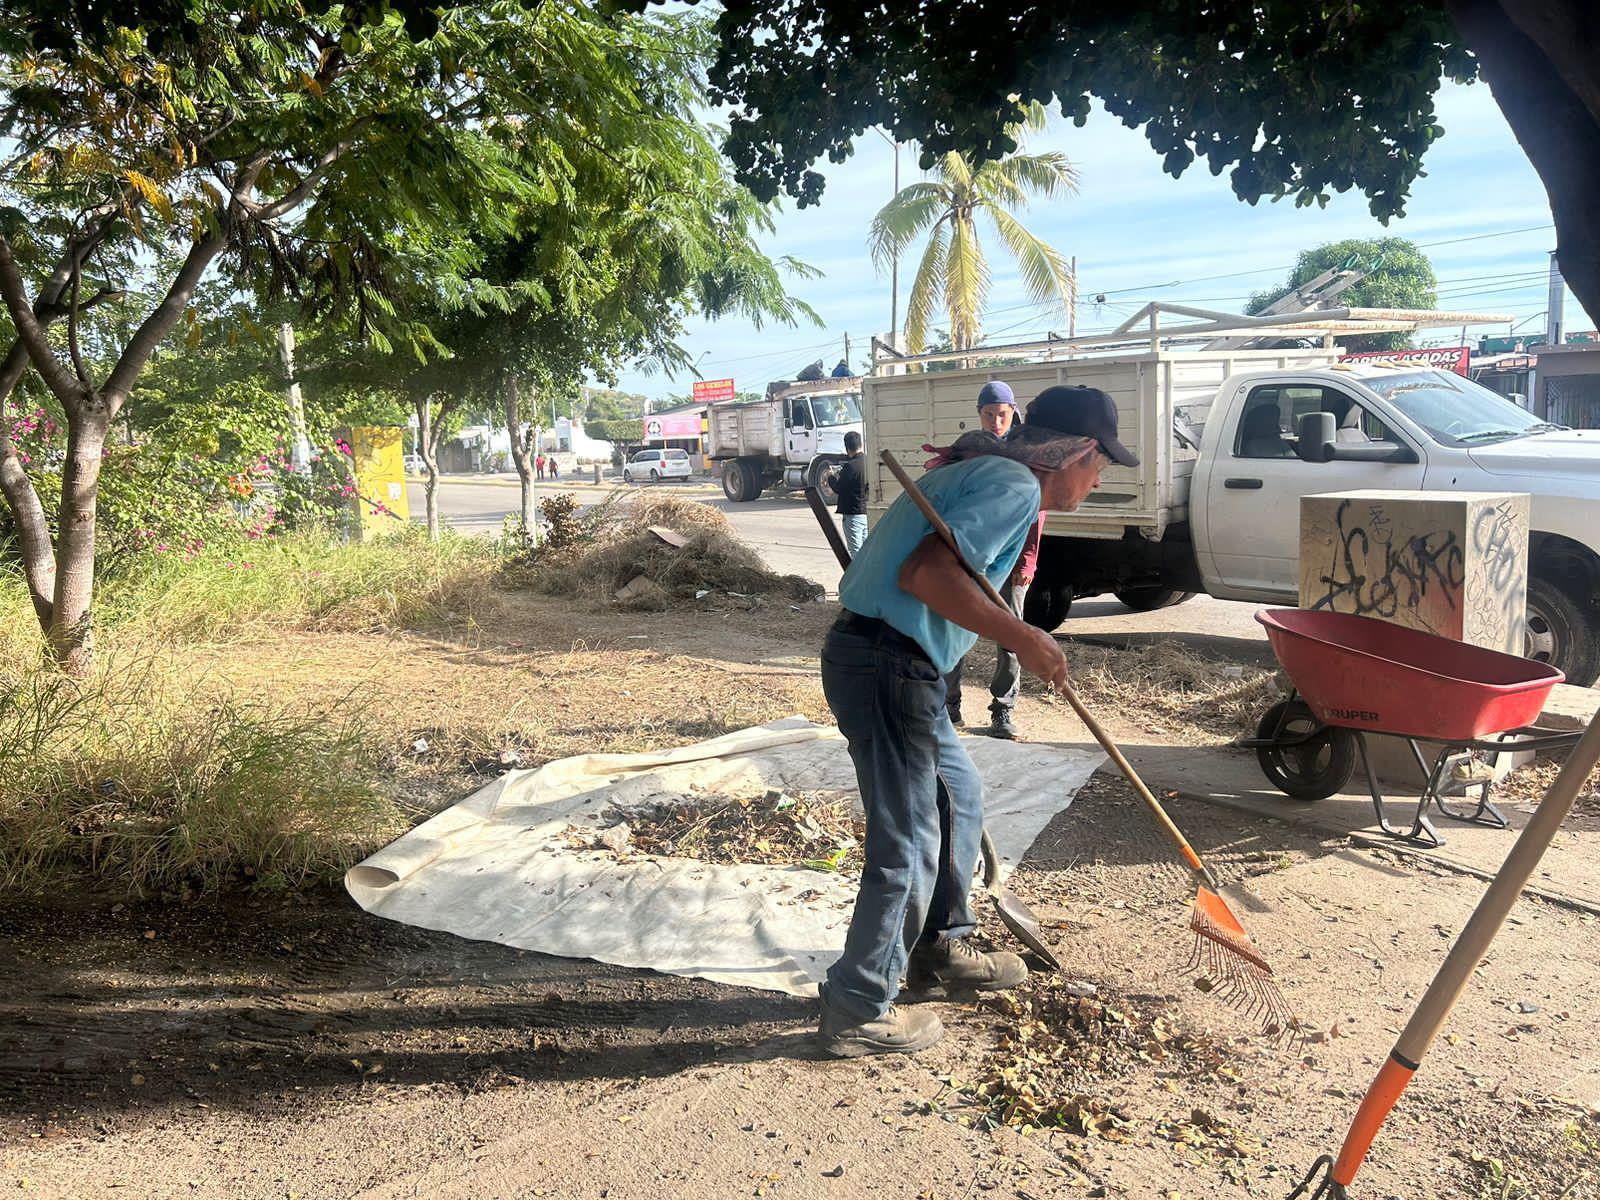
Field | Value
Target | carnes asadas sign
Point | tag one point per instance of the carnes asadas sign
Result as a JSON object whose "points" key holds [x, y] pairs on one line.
{"points": [[1448, 358]]}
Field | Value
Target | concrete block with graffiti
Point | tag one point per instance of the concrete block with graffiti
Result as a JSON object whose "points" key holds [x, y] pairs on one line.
{"points": [[1450, 563]]}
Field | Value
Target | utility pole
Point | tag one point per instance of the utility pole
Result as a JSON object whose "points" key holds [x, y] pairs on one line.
{"points": [[847, 351], [1072, 309], [894, 263], [1555, 308], [299, 443]]}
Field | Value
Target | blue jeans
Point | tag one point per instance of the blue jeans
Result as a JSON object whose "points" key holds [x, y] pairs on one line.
{"points": [[855, 533], [924, 804]]}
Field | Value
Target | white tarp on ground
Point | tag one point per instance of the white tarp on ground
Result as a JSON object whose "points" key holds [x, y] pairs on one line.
{"points": [[501, 866]]}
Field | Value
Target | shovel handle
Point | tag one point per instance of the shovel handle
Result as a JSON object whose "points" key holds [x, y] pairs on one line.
{"points": [[830, 531], [1100, 735]]}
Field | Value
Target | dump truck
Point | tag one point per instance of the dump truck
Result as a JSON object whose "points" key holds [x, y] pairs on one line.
{"points": [[790, 439], [1229, 440]]}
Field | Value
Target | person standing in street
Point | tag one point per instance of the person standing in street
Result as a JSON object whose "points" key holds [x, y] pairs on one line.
{"points": [[850, 483], [538, 464], [909, 613], [997, 410]]}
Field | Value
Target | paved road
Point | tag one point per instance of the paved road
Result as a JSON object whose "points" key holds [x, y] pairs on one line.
{"points": [[785, 533]]}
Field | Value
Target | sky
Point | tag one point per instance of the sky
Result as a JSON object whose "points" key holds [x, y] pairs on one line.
{"points": [[1140, 235]]}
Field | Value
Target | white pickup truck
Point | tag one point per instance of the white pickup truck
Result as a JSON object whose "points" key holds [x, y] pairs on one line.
{"points": [[1229, 441]]}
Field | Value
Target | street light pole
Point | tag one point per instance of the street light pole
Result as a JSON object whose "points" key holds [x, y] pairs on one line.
{"points": [[894, 263]]}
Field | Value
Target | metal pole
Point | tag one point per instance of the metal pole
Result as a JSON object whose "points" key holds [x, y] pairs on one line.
{"points": [[894, 264], [1555, 308], [1072, 311]]}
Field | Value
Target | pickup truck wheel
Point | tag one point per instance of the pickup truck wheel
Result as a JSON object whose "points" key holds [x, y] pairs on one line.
{"points": [[1150, 597], [1310, 769], [1561, 633], [1047, 607]]}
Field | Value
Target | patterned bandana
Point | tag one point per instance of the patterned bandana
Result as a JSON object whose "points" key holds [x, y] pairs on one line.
{"points": [[1036, 448]]}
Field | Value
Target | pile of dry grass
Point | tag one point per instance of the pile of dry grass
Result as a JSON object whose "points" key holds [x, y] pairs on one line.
{"points": [[1168, 688], [821, 830], [621, 548]]}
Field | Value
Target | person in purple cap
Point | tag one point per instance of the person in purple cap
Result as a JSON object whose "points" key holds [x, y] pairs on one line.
{"points": [[997, 410]]}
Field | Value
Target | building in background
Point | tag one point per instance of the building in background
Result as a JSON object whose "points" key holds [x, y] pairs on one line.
{"points": [[680, 428], [1566, 385]]}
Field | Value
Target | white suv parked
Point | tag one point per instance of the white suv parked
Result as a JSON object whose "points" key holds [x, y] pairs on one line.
{"points": [[656, 465]]}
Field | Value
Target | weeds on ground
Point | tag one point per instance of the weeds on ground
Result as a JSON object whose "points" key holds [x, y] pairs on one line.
{"points": [[124, 780]]}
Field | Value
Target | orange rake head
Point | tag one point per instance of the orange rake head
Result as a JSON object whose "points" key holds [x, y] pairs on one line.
{"points": [[1231, 965]]}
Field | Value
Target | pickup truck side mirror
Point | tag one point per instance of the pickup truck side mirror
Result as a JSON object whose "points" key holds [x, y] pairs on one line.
{"points": [[1316, 443], [1319, 443]]}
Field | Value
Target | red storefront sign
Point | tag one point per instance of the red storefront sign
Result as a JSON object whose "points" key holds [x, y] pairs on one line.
{"points": [[1449, 358], [712, 391]]}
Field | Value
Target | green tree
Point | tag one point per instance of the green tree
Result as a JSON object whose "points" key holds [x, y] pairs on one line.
{"points": [[1395, 275], [954, 272], [1293, 98], [331, 153]]}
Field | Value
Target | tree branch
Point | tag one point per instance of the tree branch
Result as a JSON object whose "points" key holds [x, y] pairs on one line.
{"points": [[160, 322], [72, 329], [31, 333], [296, 195]]}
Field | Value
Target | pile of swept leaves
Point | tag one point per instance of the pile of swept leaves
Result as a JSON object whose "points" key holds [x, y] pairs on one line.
{"points": [[1170, 689], [1526, 786], [1057, 1049], [616, 546], [821, 830]]}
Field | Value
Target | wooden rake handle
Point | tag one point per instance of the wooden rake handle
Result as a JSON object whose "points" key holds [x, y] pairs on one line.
{"points": [[1084, 715]]}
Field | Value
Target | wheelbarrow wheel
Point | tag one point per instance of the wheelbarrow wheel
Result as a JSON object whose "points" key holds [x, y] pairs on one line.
{"points": [[1304, 759]]}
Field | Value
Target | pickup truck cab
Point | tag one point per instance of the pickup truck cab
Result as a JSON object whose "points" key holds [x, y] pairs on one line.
{"points": [[1270, 438]]}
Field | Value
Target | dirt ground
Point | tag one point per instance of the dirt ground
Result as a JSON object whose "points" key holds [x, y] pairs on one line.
{"points": [[271, 1047]]}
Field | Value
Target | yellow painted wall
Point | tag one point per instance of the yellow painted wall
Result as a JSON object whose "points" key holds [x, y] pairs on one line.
{"points": [[379, 459]]}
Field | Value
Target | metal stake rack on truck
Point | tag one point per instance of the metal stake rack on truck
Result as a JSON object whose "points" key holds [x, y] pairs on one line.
{"points": [[1230, 439]]}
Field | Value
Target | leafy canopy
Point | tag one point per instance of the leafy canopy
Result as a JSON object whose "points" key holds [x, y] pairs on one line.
{"points": [[1294, 98]]}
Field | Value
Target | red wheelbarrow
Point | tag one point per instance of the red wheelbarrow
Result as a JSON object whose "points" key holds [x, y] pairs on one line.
{"points": [[1352, 676]]}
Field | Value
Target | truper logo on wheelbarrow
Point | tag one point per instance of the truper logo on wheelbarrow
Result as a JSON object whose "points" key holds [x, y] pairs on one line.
{"points": [[1353, 714]]}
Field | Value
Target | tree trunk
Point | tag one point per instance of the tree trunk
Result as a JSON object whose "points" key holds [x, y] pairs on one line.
{"points": [[522, 459], [71, 631], [33, 529], [425, 448], [1548, 116]]}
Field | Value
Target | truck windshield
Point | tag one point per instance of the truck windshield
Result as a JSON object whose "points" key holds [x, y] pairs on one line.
{"points": [[837, 409], [1454, 410]]}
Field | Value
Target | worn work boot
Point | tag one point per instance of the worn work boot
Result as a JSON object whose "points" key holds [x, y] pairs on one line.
{"points": [[898, 1031], [1001, 725], [954, 965], [955, 712]]}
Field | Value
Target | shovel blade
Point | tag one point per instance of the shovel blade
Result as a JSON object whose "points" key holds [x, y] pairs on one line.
{"points": [[1018, 917]]}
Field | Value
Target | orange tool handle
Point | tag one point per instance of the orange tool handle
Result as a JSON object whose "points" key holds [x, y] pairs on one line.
{"points": [[1100, 735], [1375, 1108]]}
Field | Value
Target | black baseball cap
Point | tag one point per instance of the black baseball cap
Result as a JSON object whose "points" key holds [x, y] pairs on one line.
{"points": [[1082, 411]]}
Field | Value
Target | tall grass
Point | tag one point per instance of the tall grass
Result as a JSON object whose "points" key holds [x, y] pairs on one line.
{"points": [[303, 580], [144, 778], [126, 781]]}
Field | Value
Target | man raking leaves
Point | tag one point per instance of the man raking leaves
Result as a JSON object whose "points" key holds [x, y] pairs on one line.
{"points": [[910, 613]]}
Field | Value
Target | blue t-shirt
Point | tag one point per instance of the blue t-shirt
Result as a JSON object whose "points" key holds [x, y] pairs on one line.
{"points": [[989, 503]]}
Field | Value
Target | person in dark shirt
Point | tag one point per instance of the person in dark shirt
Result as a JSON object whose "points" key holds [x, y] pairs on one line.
{"points": [[850, 482]]}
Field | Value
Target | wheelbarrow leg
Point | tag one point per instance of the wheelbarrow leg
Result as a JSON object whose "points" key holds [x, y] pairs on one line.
{"points": [[1422, 831], [1484, 814]]}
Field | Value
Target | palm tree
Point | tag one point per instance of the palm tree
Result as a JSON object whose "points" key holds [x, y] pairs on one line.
{"points": [[946, 208]]}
